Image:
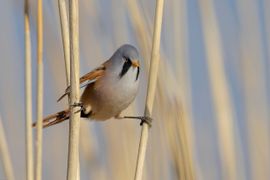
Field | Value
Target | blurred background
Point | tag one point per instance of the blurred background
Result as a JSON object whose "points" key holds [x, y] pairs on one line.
{"points": [[211, 112]]}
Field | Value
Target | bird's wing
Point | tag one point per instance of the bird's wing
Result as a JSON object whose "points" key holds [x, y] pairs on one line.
{"points": [[88, 78], [92, 76]]}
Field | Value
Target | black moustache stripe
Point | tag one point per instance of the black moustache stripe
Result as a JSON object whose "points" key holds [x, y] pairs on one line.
{"points": [[125, 68], [138, 72]]}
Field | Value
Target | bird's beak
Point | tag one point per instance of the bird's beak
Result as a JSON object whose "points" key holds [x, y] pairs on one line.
{"points": [[135, 63]]}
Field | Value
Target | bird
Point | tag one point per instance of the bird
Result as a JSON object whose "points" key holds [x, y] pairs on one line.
{"points": [[109, 89]]}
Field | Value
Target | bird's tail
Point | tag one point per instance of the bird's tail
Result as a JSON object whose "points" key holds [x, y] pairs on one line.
{"points": [[54, 118]]}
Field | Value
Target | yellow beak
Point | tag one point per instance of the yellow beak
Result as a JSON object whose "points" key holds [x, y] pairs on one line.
{"points": [[135, 63]]}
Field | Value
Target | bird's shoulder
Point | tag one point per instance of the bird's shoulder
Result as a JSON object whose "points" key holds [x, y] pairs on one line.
{"points": [[96, 73]]}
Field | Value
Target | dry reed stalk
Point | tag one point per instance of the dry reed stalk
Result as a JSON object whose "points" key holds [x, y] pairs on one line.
{"points": [[151, 87], [28, 94], [185, 136], [220, 89], [38, 170], [140, 27], [118, 17], [180, 48], [183, 132], [65, 36], [175, 141], [184, 121], [266, 5], [89, 151], [177, 128], [121, 136], [74, 123], [4, 154], [66, 47], [253, 74]]}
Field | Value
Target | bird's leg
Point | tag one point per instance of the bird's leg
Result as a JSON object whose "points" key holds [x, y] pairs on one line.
{"points": [[144, 119]]}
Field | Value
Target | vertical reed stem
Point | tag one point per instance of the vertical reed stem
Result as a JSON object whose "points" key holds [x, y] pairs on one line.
{"points": [[151, 87], [4, 154], [38, 170], [254, 79], [65, 36], [66, 46], [73, 154], [220, 88], [28, 94]]}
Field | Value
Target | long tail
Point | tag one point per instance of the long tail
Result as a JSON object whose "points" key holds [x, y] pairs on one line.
{"points": [[54, 118]]}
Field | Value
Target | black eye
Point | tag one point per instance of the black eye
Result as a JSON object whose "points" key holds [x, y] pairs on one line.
{"points": [[127, 59]]}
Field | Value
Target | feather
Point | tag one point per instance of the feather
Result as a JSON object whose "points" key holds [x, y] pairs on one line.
{"points": [[89, 78], [125, 67], [54, 118]]}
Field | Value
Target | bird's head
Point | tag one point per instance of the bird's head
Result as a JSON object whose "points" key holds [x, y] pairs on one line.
{"points": [[125, 58]]}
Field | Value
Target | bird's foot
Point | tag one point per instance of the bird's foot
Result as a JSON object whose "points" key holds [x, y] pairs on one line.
{"points": [[144, 119], [78, 104]]}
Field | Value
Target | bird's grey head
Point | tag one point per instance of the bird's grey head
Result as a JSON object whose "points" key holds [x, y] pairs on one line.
{"points": [[126, 57]]}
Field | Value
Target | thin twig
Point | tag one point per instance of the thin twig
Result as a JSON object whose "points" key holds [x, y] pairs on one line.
{"points": [[4, 154], [28, 95], [151, 87], [74, 127], [38, 170]]}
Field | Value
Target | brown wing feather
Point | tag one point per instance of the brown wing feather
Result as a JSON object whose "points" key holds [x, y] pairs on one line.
{"points": [[91, 76]]}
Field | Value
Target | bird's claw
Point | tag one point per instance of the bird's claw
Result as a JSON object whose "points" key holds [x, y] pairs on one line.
{"points": [[146, 119], [78, 104]]}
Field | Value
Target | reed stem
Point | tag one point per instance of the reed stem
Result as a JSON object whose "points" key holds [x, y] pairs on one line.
{"points": [[74, 124], [65, 36], [28, 94], [220, 88], [151, 88], [66, 46], [38, 170], [4, 154]]}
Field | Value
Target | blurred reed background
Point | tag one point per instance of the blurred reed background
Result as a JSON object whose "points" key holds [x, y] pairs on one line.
{"points": [[211, 117]]}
